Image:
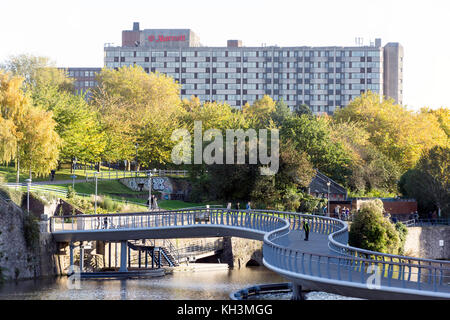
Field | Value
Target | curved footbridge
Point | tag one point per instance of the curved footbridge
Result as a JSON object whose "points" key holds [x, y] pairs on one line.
{"points": [[326, 262]]}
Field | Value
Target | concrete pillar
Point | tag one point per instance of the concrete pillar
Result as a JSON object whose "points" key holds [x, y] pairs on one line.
{"points": [[71, 247], [123, 256], [297, 292], [81, 257]]}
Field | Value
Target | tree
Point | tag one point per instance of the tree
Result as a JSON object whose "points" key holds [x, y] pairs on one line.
{"points": [[312, 135], [37, 72], [371, 230], [134, 107], [429, 182], [302, 109], [29, 129], [371, 170], [260, 112], [400, 134]]}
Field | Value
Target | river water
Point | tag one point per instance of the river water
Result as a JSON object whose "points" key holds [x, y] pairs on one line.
{"points": [[206, 285]]}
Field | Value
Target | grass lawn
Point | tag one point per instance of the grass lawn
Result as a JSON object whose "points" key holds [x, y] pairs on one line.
{"points": [[113, 187], [9, 174]]}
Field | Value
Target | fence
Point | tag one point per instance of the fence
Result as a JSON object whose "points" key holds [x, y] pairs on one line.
{"points": [[114, 175]]}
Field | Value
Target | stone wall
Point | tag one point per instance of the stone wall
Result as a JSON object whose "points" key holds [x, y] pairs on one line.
{"points": [[16, 259], [238, 252], [424, 242]]}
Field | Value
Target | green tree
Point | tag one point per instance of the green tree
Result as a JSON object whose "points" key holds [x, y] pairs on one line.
{"points": [[429, 182], [312, 135], [400, 134], [371, 230], [135, 106]]}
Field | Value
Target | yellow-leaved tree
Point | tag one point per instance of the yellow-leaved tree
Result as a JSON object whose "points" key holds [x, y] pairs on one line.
{"points": [[28, 132], [400, 134], [138, 112]]}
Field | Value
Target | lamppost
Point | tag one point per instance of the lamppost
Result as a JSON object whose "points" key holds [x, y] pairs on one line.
{"points": [[137, 146], [95, 205], [73, 181], [328, 184], [149, 190], [28, 181]]}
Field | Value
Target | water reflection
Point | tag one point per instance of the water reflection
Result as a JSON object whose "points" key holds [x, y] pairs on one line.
{"points": [[206, 285], [211, 285]]}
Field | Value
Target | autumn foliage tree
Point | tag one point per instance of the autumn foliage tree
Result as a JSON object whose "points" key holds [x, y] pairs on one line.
{"points": [[29, 134]]}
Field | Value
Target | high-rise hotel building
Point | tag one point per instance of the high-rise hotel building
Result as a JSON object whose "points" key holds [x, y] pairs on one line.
{"points": [[323, 78]]}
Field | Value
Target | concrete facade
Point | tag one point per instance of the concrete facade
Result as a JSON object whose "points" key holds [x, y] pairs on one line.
{"points": [[323, 78], [428, 242], [393, 68]]}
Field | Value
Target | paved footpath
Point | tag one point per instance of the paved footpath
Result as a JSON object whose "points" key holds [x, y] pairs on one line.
{"points": [[317, 243]]}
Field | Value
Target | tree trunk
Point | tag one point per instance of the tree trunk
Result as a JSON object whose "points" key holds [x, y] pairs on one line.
{"points": [[71, 166], [18, 170]]}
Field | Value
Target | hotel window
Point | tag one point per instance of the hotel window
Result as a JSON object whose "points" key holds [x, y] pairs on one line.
{"points": [[157, 54], [234, 75], [187, 76], [184, 54], [218, 54], [173, 53], [373, 53], [218, 75], [203, 54]]}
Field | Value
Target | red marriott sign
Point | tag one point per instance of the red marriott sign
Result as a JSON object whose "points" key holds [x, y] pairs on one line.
{"points": [[162, 38]]}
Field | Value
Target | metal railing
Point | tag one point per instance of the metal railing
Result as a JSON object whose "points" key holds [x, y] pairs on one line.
{"points": [[427, 222], [114, 175], [344, 263]]}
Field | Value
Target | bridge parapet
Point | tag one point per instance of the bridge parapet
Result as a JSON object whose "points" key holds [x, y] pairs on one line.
{"points": [[344, 267]]}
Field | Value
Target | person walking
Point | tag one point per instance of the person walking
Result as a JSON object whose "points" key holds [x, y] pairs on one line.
{"points": [[229, 206], [155, 202], [305, 227], [148, 203], [238, 206], [248, 207]]}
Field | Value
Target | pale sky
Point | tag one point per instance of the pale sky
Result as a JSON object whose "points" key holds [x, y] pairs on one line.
{"points": [[72, 33]]}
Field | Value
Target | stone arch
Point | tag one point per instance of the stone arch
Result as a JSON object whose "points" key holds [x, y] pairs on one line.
{"points": [[252, 263]]}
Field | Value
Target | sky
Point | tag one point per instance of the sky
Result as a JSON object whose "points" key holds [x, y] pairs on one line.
{"points": [[73, 33]]}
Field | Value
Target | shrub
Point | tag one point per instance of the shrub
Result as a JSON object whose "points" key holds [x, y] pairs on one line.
{"points": [[371, 230], [31, 230], [70, 192]]}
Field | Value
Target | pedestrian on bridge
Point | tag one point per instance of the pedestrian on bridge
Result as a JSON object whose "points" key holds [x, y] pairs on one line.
{"points": [[155, 202], [305, 226]]}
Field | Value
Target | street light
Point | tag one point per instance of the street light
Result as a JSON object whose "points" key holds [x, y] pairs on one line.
{"points": [[328, 184], [137, 146], [73, 181], [150, 188], [95, 205], [28, 181]]}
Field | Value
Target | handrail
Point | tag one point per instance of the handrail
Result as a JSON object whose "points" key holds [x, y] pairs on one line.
{"points": [[398, 271]]}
